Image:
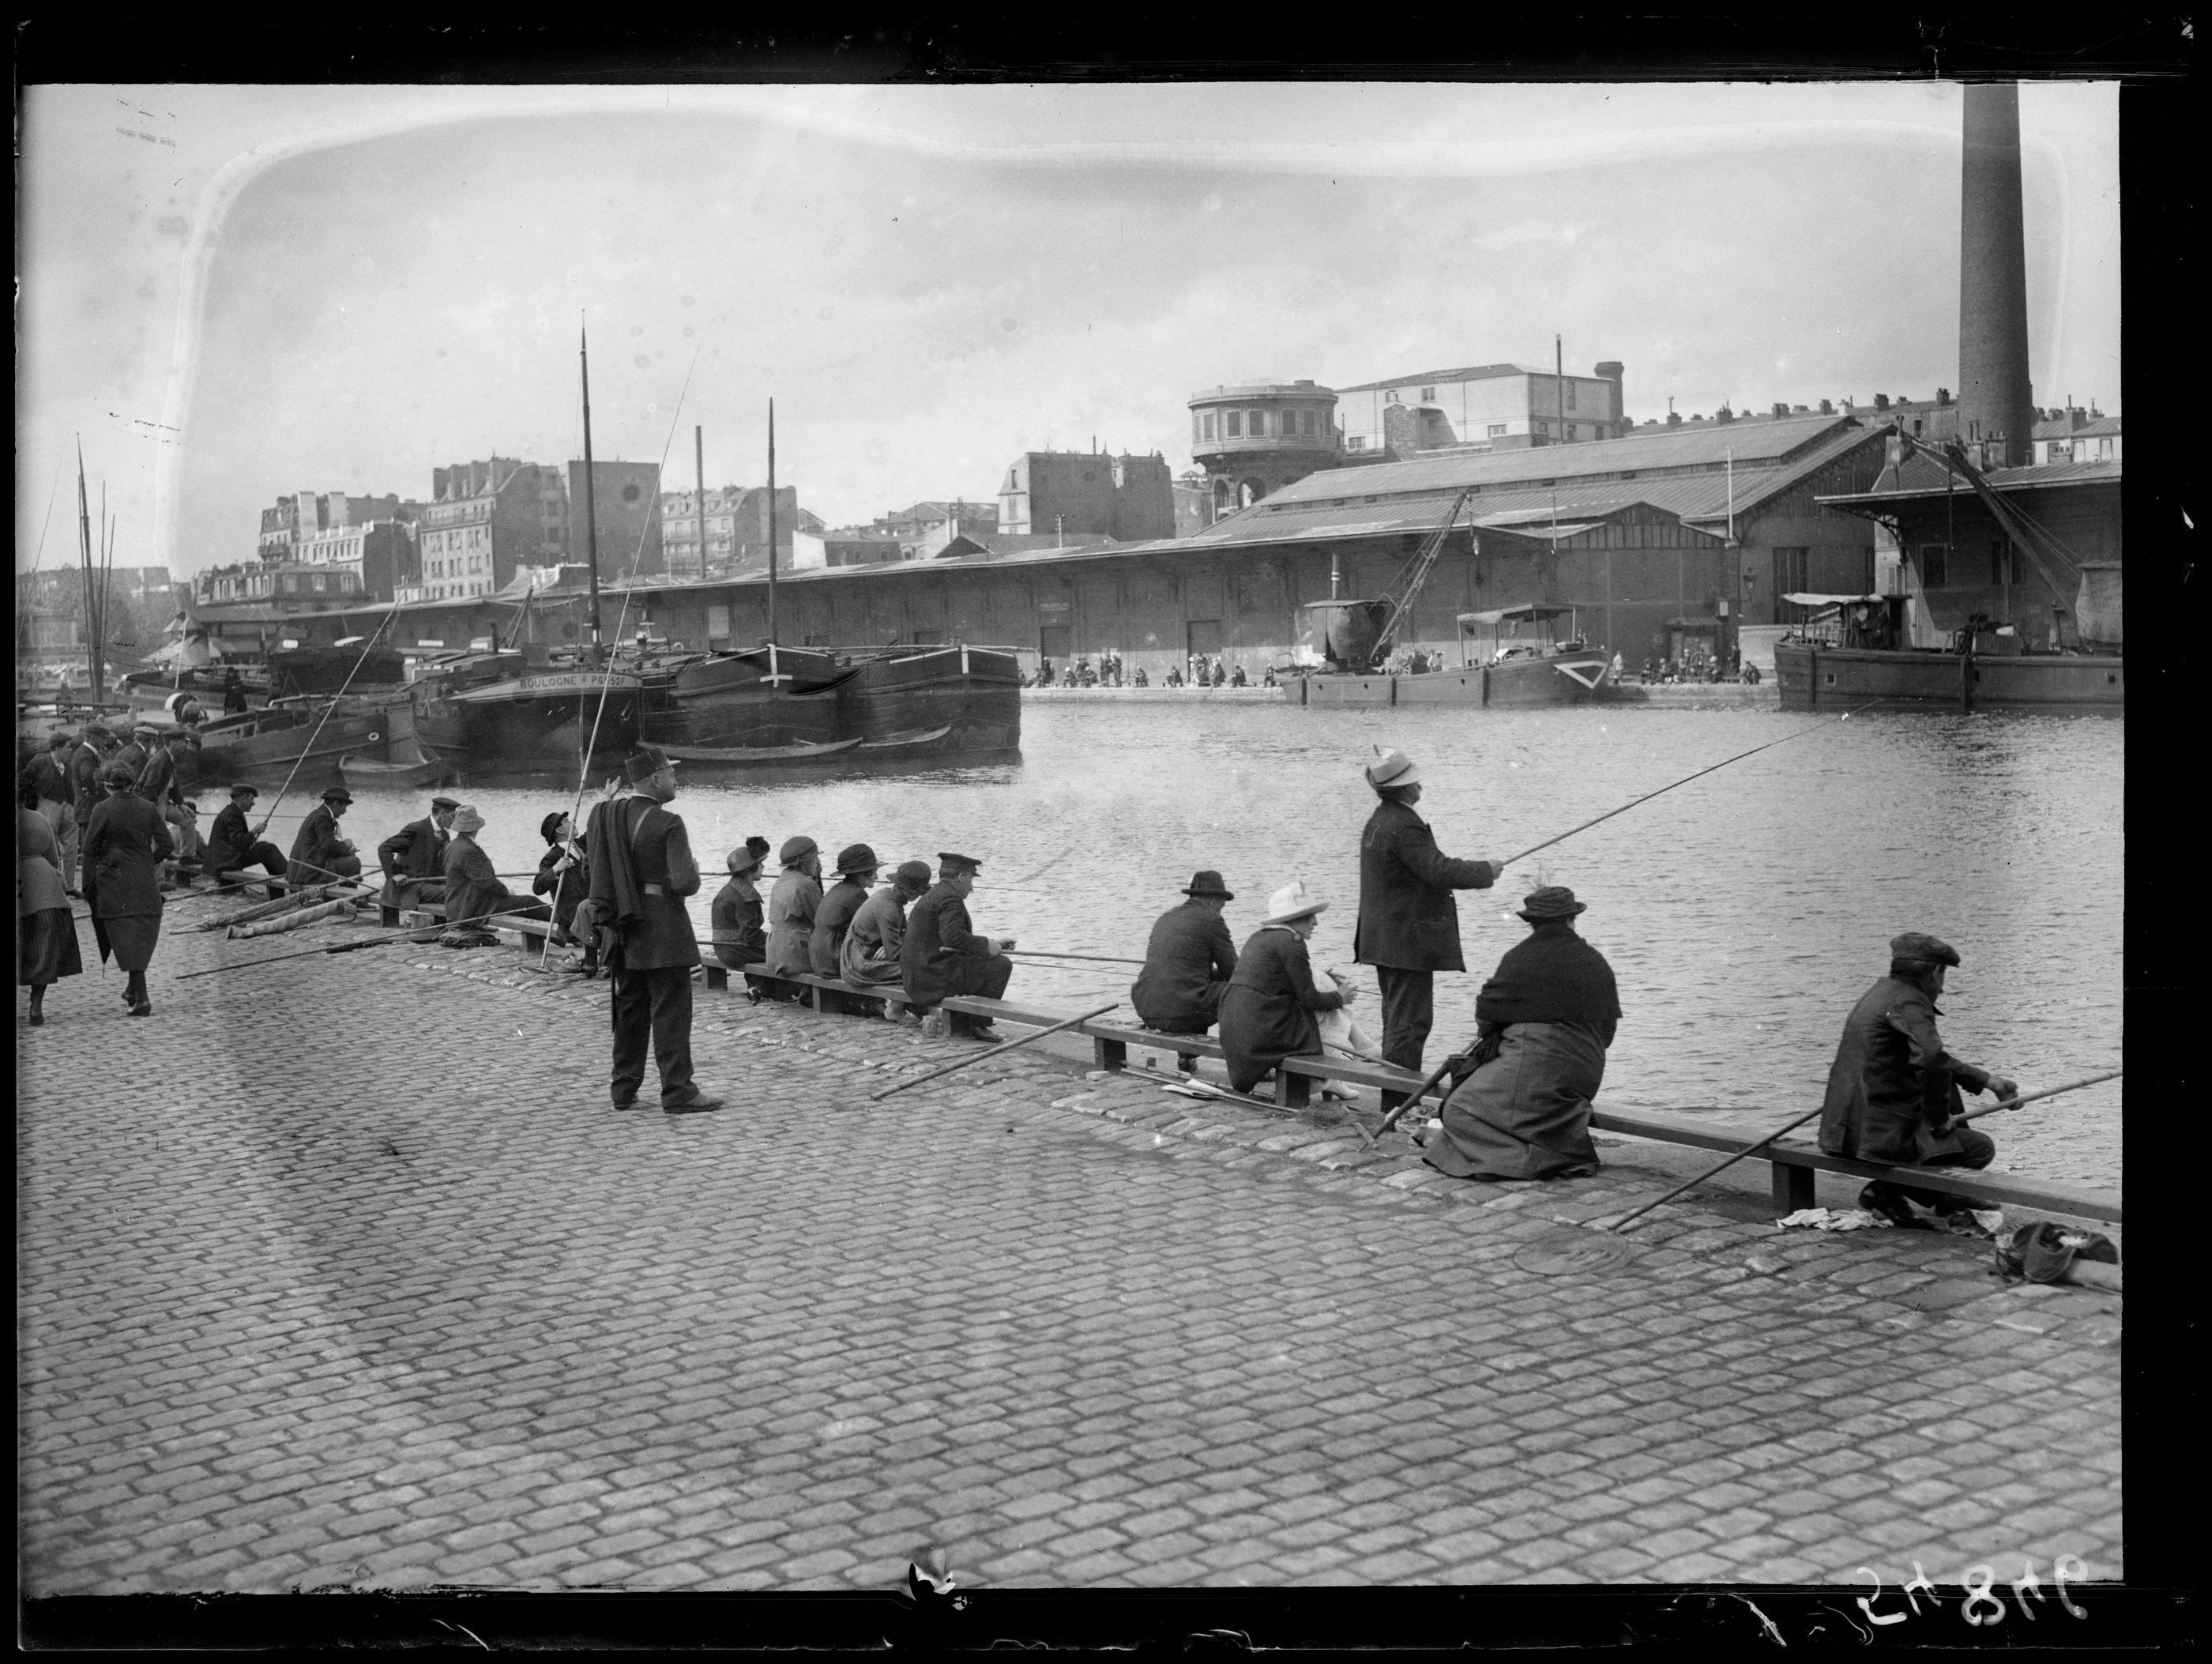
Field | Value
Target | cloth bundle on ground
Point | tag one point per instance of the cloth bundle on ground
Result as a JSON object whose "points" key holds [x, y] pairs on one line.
{"points": [[2046, 1252]]}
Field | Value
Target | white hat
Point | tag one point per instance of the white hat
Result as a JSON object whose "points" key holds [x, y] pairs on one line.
{"points": [[1292, 901], [1392, 767]]}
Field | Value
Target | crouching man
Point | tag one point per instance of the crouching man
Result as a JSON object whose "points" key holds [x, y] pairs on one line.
{"points": [[1893, 1090]]}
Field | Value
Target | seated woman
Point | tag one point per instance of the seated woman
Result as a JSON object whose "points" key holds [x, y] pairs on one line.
{"points": [[736, 912], [473, 889], [1268, 1011], [1545, 1019]]}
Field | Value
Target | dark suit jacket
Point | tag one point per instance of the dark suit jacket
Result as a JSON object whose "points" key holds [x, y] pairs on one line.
{"points": [[1268, 1011], [659, 935], [1407, 918], [318, 843], [939, 936], [416, 850], [1892, 1082], [86, 789], [124, 844], [230, 841], [1188, 962], [50, 777]]}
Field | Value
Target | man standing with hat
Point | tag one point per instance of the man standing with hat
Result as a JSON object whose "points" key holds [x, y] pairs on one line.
{"points": [[1893, 1090], [870, 957], [1408, 924], [232, 846], [133, 755], [413, 857], [792, 906], [1188, 960], [48, 777], [736, 912], [1544, 1021], [857, 867], [641, 871], [317, 853], [943, 955]]}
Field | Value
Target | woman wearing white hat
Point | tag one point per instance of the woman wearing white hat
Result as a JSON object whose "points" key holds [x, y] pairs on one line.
{"points": [[1268, 1011]]}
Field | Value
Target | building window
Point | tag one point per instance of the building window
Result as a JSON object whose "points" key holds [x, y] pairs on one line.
{"points": [[2004, 561], [1259, 424], [1934, 573], [1209, 424], [1235, 421], [2104, 450], [1428, 395], [1497, 430], [1355, 442], [1790, 578]]}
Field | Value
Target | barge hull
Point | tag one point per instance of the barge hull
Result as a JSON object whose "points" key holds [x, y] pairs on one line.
{"points": [[1813, 677]]}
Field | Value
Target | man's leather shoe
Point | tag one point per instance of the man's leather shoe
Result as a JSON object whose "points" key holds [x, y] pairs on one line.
{"points": [[625, 1103], [692, 1106]]}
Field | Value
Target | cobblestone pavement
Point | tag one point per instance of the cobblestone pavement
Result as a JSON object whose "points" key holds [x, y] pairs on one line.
{"points": [[345, 1273]]}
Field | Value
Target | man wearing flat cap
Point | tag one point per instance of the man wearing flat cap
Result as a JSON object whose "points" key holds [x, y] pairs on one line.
{"points": [[1188, 960], [792, 905], [319, 854], [1408, 925], [1893, 1090], [413, 857], [232, 846], [641, 871], [857, 866], [943, 955]]}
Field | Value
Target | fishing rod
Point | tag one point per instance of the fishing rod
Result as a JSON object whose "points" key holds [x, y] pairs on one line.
{"points": [[1685, 781], [366, 648], [418, 933], [271, 878], [979, 1057], [1760, 1144], [1088, 958]]}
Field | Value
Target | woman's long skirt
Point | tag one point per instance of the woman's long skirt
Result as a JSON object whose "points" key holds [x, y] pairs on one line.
{"points": [[45, 947], [1524, 1115]]}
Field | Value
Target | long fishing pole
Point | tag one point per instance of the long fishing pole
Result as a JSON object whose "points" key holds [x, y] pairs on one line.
{"points": [[296, 762], [979, 1057], [1685, 781], [417, 934], [271, 878], [1088, 958], [1759, 1144]]}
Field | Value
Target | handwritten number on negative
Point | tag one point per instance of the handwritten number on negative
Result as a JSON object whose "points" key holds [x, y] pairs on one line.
{"points": [[1866, 1602]]}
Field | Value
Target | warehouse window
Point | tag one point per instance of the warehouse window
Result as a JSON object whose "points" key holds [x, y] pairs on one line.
{"points": [[2004, 561], [1934, 573], [1497, 430], [1259, 424], [1571, 395], [1428, 395], [1235, 423]]}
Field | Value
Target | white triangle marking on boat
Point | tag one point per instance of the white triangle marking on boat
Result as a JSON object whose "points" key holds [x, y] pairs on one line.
{"points": [[1573, 672]]}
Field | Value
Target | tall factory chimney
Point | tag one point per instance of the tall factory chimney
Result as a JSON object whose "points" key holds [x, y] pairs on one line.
{"points": [[1995, 404]]}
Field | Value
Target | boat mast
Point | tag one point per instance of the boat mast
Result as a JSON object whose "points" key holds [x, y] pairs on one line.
{"points": [[84, 546], [771, 521], [591, 511], [699, 467]]}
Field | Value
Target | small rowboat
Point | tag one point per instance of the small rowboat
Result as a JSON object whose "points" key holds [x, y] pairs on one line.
{"points": [[424, 770], [756, 754], [912, 739]]}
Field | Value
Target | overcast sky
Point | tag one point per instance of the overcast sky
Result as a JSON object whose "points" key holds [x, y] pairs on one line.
{"points": [[232, 292]]}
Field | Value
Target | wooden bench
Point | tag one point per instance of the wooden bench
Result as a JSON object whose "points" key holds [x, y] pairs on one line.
{"points": [[831, 995], [1794, 1161]]}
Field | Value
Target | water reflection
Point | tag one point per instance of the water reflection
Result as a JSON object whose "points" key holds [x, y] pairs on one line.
{"points": [[1744, 913]]}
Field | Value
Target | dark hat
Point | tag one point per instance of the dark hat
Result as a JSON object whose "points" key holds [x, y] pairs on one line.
{"points": [[58, 738], [951, 863], [757, 846], [1551, 901], [443, 802], [646, 762], [1922, 948], [856, 857], [1208, 883], [188, 805], [120, 773], [100, 728], [549, 829], [915, 875], [337, 794], [242, 790], [796, 850]]}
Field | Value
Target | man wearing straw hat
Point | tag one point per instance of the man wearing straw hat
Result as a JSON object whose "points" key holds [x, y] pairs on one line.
{"points": [[1188, 960], [1409, 925], [1893, 1090], [943, 955], [1270, 1011], [641, 871]]}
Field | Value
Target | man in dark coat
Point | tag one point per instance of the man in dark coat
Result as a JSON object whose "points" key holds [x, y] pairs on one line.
{"points": [[1188, 962], [641, 871], [318, 852], [48, 778], [87, 764], [158, 785], [413, 857], [136, 750], [1893, 1090], [234, 694], [857, 866], [124, 846], [232, 846], [1271, 1008], [943, 955], [1408, 925]]}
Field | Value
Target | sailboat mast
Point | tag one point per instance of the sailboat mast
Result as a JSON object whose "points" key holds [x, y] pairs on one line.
{"points": [[771, 519], [699, 473], [84, 545], [590, 510]]}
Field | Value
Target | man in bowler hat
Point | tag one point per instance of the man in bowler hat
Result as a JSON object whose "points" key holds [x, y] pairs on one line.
{"points": [[1188, 960], [1893, 1090], [1408, 926], [943, 955], [641, 871]]}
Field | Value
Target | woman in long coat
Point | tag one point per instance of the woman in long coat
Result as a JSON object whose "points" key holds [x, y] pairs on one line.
{"points": [[45, 933], [126, 842], [472, 888], [1544, 1020], [792, 906], [1268, 1008]]}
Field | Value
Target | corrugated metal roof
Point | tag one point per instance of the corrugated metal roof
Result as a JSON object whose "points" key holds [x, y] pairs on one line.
{"points": [[1922, 476], [2056, 427], [1752, 443]]}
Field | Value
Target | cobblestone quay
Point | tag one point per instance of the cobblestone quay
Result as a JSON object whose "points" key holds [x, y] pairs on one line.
{"points": [[350, 1277]]}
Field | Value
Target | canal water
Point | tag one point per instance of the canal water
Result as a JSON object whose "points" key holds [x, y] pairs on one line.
{"points": [[1743, 914]]}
